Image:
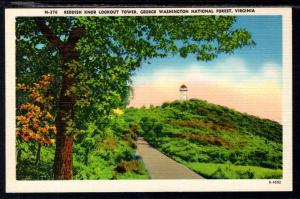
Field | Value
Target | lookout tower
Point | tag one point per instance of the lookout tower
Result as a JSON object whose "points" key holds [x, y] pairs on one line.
{"points": [[183, 92]]}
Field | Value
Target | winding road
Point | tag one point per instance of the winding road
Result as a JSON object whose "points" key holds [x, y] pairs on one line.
{"points": [[160, 166]]}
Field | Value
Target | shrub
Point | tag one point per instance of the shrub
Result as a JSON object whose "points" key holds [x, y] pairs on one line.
{"points": [[230, 171], [132, 165], [206, 139], [147, 123]]}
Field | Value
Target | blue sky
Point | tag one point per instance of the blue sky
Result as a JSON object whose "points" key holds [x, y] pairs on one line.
{"points": [[251, 76], [266, 32]]}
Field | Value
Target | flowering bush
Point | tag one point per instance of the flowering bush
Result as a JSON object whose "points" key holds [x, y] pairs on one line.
{"points": [[35, 121]]}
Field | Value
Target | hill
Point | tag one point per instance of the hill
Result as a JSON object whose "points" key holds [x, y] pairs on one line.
{"points": [[213, 140]]}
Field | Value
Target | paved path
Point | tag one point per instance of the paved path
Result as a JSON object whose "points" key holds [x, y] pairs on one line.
{"points": [[160, 166]]}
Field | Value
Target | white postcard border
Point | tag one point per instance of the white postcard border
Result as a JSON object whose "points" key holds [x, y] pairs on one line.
{"points": [[13, 185]]}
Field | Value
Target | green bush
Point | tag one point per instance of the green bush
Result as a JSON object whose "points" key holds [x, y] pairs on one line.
{"points": [[27, 169], [230, 171], [95, 156]]}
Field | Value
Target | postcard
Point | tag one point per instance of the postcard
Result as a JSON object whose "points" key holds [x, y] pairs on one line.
{"points": [[131, 99]]}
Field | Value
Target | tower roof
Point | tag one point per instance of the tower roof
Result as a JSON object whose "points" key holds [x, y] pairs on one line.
{"points": [[183, 88]]}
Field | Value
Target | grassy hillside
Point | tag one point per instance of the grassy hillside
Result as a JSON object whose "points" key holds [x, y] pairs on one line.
{"points": [[213, 140]]}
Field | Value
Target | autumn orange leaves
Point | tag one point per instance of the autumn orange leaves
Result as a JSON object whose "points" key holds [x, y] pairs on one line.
{"points": [[35, 120]]}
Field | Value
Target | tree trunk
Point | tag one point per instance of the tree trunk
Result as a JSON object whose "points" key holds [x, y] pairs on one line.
{"points": [[38, 154], [63, 157], [62, 167]]}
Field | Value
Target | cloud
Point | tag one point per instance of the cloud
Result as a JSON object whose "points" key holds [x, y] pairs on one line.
{"points": [[231, 83], [232, 70]]}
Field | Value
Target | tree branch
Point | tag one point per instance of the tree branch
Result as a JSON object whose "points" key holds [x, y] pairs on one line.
{"points": [[48, 33], [75, 35]]}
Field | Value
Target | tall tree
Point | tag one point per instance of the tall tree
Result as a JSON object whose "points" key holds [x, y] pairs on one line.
{"points": [[94, 57]]}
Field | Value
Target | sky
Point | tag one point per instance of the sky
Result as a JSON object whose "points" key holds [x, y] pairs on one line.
{"points": [[248, 81]]}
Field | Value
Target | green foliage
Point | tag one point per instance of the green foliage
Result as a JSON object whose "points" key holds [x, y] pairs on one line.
{"points": [[112, 48], [204, 151], [108, 152], [26, 169], [223, 117], [96, 155], [97, 169], [98, 79], [230, 171], [148, 124], [105, 157], [194, 132]]}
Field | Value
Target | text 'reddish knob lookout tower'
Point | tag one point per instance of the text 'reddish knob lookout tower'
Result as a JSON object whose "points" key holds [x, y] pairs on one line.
{"points": [[183, 92]]}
